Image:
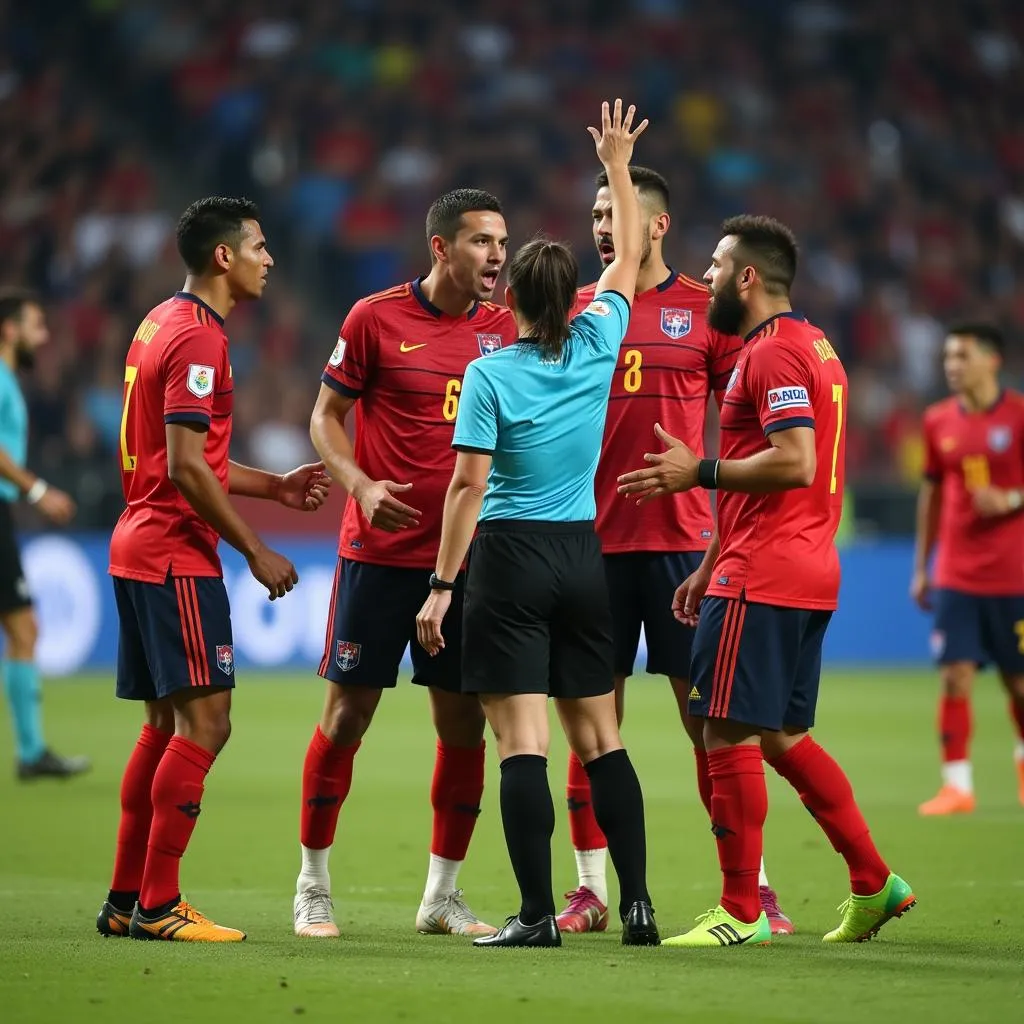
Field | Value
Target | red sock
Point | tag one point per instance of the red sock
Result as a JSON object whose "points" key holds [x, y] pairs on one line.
{"points": [[583, 828], [1017, 713], [177, 794], [455, 794], [739, 806], [326, 780], [703, 778], [137, 809], [826, 792], [955, 728]]}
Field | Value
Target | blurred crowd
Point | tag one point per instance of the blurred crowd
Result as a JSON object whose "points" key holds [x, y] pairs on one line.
{"points": [[886, 134]]}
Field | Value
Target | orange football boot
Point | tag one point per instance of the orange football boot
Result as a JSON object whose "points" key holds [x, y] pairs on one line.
{"points": [[1020, 781], [948, 800], [182, 923]]}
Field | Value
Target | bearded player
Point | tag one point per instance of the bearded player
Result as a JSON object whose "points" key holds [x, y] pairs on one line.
{"points": [[670, 365], [175, 649], [971, 514], [399, 362]]}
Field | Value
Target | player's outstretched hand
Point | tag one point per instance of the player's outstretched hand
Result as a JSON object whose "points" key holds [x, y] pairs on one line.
{"points": [[57, 506], [429, 619], [274, 571], [305, 488], [614, 142], [383, 510], [672, 471], [920, 591], [689, 594]]}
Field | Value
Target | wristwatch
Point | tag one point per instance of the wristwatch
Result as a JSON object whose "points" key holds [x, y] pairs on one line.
{"points": [[436, 583]]}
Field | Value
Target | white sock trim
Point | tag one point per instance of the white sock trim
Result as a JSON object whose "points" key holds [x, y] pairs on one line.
{"points": [[1018, 750], [442, 878], [591, 867], [959, 775], [762, 877], [314, 872]]}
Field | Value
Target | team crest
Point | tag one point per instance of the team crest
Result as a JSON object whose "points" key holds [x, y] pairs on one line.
{"points": [[999, 439], [347, 655], [200, 379], [226, 658], [676, 323], [488, 343], [339, 352], [937, 642]]}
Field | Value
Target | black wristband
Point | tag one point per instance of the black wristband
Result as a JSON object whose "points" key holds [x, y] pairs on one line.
{"points": [[707, 474], [436, 583]]}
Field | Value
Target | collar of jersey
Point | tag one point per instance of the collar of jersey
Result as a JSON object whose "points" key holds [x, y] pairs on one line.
{"points": [[982, 412], [791, 315], [189, 297], [434, 311]]}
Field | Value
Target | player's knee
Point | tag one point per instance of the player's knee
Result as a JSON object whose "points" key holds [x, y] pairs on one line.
{"points": [[1015, 687], [460, 723], [22, 632], [957, 679], [347, 718]]}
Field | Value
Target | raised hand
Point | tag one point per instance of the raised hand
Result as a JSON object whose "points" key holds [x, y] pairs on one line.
{"points": [[383, 510], [614, 142], [672, 471]]}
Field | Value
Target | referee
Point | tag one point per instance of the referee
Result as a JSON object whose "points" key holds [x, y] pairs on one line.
{"points": [[536, 621], [22, 331]]}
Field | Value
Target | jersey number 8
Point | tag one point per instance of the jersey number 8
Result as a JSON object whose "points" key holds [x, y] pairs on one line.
{"points": [[633, 378]]}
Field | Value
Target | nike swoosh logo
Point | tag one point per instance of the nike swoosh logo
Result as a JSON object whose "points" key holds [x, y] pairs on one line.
{"points": [[406, 347]]}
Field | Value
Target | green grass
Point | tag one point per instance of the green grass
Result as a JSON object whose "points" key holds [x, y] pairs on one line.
{"points": [[959, 956]]}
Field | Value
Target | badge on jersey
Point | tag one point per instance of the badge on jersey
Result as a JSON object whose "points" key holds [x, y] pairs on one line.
{"points": [[999, 439], [226, 658], [488, 343], [599, 308], [791, 396], [676, 323], [339, 352], [733, 378], [200, 380], [347, 655]]}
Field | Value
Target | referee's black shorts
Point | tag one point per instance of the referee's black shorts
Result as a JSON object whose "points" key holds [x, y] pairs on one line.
{"points": [[536, 617], [14, 594]]}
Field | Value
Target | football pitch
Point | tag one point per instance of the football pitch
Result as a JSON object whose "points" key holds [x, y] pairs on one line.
{"points": [[958, 957]]}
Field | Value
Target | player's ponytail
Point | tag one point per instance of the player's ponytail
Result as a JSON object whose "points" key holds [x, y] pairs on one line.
{"points": [[543, 276]]}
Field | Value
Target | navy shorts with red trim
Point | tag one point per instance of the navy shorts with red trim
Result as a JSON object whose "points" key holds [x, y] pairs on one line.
{"points": [[174, 635], [759, 664], [371, 621], [979, 628], [641, 586]]}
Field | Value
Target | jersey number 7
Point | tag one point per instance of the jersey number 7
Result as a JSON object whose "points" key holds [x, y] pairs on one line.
{"points": [[127, 461], [837, 398]]}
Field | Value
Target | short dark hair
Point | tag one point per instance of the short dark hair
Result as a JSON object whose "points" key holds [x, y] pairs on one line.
{"points": [[13, 302], [444, 217], [650, 184], [543, 277], [209, 222], [768, 245], [982, 332]]}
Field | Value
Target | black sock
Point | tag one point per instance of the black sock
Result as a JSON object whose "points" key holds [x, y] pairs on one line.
{"points": [[619, 809], [123, 901], [528, 818]]}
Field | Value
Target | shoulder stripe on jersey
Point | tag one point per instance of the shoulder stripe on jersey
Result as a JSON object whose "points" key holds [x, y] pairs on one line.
{"points": [[187, 417], [397, 292], [691, 281], [725, 355], [342, 389], [793, 421]]}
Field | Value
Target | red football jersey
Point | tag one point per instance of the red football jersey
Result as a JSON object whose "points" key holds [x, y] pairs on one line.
{"points": [[779, 548], [404, 359], [670, 363], [177, 371], [964, 452]]}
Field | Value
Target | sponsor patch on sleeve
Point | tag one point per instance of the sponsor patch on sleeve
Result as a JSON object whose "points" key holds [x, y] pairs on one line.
{"points": [[339, 352], [788, 397], [599, 307], [200, 379]]}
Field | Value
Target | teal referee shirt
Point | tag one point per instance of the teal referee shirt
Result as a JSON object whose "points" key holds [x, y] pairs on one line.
{"points": [[542, 420], [13, 426]]}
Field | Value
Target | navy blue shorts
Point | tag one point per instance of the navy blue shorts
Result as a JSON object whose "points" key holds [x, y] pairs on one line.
{"points": [[969, 627], [759, 664], [174, 636], [372, 620], [641, 586]]}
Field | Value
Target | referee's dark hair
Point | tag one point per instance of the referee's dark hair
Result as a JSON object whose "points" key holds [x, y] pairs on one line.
{"points": [[984, 333], [543, 277], [209, 222], [13, 302], [444, 218], [768, 245], [652, 187]]}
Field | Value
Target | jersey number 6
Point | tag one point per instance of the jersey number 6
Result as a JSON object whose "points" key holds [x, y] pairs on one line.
{"points": [[127, 461], [450, 409]]}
